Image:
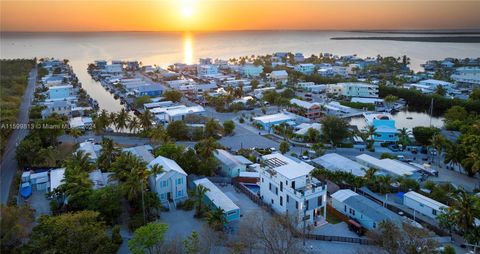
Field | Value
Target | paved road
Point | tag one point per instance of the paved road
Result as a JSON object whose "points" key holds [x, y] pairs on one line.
{"points": [[9, 163]]}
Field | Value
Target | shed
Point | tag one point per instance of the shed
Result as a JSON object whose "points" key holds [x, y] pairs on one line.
{"points": [[217, 199]]}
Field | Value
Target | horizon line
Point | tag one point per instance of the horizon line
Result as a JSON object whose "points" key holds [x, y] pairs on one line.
{"points": [[258, 30]]}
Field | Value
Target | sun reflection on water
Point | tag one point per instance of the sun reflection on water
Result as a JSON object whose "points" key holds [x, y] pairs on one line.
{"points": [[187, 48]]}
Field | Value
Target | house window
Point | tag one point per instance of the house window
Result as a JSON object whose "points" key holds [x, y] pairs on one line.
{"points": [[286, 182], [319, 201], [164, 184], [345, 208], [306, 205], [276, 191], [162, 196], [231, 213], [374, 225], [272, 201], [288, 198], [180, 193], [262, 179], [270, 186], [296, 204], [293, 184], [281, 186], [179, 181], [434, 212], [281, 201]]}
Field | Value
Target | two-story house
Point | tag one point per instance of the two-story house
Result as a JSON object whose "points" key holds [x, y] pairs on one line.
{"points": [[171, 184], [288, 188]]}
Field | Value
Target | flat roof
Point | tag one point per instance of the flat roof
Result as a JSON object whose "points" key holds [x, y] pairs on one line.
{"points": [[424, 200], [336, 162], [274, 118], [218, 198], [286, 166], [342, 195], [56, 178], [389, 165]]}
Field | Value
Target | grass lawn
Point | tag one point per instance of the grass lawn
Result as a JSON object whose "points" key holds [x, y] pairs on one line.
{"points": [[332, 219]]}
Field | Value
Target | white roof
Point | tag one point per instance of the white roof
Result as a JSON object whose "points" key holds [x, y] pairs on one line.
{"points": [[60, 87], [365, 100], [424, 200], [393, 166], [435, 82], [178, 110], [248, 174], [279, 73], [80, 122], [342, 195], [56, 178], [90, 148], [304, 104], [274, 118], [218, 198], [158, 104], [303, 128], [286, 166], [142, 152], [336, 162], [167, 164]]}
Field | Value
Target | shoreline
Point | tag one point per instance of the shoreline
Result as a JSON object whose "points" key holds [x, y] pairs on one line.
{"points": [[444, 39]]}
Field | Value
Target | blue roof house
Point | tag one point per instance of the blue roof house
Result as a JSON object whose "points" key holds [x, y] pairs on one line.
{"points": [[149, 90], [385, 130], [60, 92]]}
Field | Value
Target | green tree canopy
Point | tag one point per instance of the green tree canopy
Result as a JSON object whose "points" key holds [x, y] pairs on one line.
{"points": [[148, 239]]}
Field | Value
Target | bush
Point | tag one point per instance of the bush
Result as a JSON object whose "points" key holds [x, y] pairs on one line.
{"points": [[387, 156], [116, 237], [136, 221], [241, 120], [186, 205]]}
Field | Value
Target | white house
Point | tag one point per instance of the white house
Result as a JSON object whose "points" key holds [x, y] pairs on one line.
{"points": [[176, 113], [467, 75], [288, 188], [171, 184], [251, 70], [361, 209], [424, 205], [91, 149], [143, 152], [279, 76], [207, 70]]}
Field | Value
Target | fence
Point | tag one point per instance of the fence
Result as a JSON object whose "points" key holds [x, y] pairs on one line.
{"points": [[340, 239]]}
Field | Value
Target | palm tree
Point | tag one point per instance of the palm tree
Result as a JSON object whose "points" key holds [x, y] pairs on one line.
{"points": [[438, 142], [146, 120], [133, 125], [464, 210], [79, 160], [159, 135], [384, 182], [472, 162], [132, 173], [122, 119], [216, 219], [199, 194], [205, 147], [75, 133], [454, 154], [370, 176], [107, 154]]}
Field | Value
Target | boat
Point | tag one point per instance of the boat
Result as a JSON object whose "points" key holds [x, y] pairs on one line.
{"points": [[409, 117]]}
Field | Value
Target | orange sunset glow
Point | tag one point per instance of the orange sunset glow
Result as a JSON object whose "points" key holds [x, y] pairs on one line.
{"points": [[214, 15]]}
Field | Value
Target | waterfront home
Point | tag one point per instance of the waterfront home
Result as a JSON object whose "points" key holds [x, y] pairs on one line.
{"points": [[433, 84], [91, 149], [231, 165], [80, 122], [385, 130], [216, 199], [364, 211], [100, 64], [60, 92], [151, 90], [158, 104], [175, 84], [279, 76], [113, 69], [353, 89], [171, 184], [53, 80], [310, 110], [422, 204], [60, 107], [303, 84], [334, 108], [144, 152], [288, 188], [336, 162], [176, 113], [333, 71], [267, 121], [467, 75], [133, 65], [391, 167], [306, 69], [206, 70], [250, 70]]}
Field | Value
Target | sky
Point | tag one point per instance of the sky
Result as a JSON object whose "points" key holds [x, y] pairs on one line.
{"points": [[226, 15]]}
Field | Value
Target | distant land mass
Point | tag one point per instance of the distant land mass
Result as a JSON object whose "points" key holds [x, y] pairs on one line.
{"points": [[448, 32], [449, 39]]}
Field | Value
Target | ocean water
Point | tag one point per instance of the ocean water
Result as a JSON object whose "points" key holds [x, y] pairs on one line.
{"points": [[165, 48]]}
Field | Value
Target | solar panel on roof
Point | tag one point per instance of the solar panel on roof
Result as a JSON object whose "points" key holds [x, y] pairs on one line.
{"points": [[275, 163]]}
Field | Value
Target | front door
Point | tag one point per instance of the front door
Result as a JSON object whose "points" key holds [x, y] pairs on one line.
{"points": [[169, 196]]}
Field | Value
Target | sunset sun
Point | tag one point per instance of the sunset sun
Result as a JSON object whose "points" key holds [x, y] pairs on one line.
{"points": [[187, 8]]}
